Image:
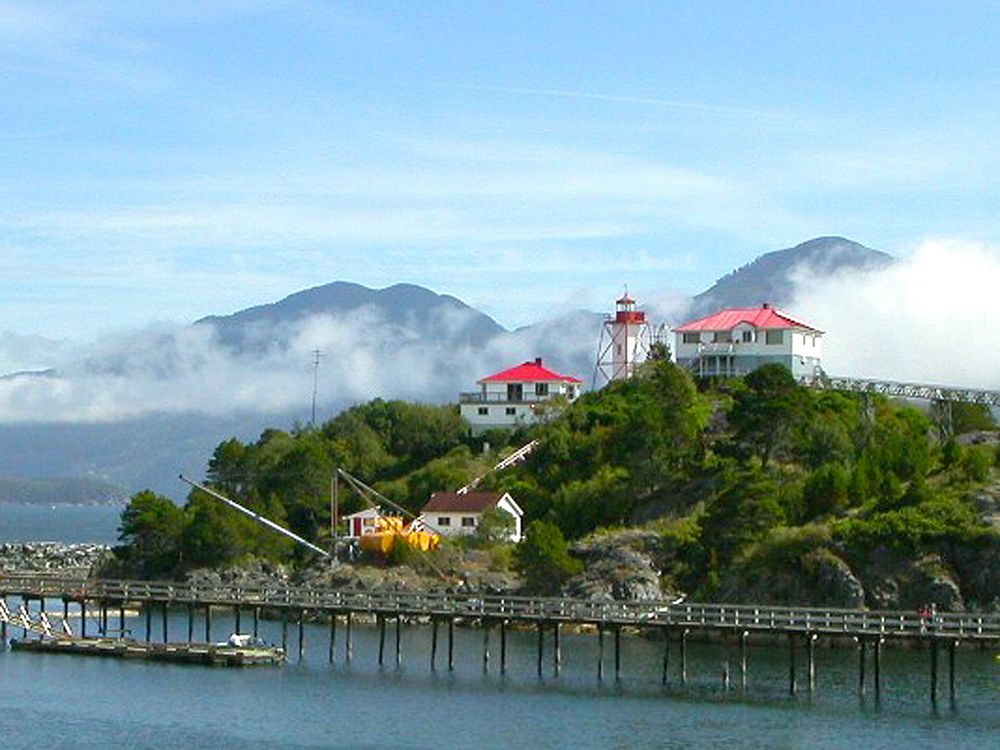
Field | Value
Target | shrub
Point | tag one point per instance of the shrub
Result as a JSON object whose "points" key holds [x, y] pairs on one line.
{"points": [[543, 558], [827, 490]]}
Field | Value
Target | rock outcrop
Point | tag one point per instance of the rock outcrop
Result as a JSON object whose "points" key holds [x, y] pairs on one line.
{"points": [[618, 566], [52, 557]]}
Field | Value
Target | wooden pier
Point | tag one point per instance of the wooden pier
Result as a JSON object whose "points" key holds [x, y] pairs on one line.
{"points": [[674, 622]]}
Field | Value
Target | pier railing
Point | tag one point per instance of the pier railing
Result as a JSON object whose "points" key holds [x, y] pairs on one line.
{"points": [[610, 614]]}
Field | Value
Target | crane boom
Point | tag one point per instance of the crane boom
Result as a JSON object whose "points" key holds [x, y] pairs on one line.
{"points": [[256, 516]]}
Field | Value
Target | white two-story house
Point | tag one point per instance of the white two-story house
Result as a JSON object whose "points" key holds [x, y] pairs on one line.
{"points": [[509, 398], [731, 343]]}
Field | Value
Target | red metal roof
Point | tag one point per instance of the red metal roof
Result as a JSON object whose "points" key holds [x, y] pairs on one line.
{"points": [[528, 372], [759, 317]]}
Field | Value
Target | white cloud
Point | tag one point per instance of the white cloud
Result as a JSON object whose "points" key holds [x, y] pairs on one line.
{"points": [[933, 317], [170, 369]]}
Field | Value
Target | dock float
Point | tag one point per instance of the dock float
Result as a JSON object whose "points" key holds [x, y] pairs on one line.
{"points": [[212, 654]]}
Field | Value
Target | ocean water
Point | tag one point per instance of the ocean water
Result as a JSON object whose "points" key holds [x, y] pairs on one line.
{"points": [[60, 523], [87, 702]]}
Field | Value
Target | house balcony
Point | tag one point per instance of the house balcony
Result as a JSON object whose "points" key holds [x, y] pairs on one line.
{"points": [[478, 397]]}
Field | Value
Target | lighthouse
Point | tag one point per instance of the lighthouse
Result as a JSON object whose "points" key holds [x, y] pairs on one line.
{"points": [[624, 343]]}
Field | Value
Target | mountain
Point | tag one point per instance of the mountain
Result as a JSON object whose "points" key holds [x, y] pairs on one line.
{"points": [[60, 492], [404, 312], [770, 278], [142, 408]]}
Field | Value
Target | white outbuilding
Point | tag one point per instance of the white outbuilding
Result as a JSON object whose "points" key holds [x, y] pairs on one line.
{"points": [[455, 514]]}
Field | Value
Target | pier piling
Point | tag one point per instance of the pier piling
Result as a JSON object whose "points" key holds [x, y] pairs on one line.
{"points": [[743, 660], [503, 646], [618, 654], [399, 648], [348, 643], [861, 667], [951, 674], [877, 668], [486, 646], [434, 643], [451, 644], [600, 653], [333, 638], [381, 639], [934, 670], [792, 686], [302, 634], [556, 650], [684, 656], [541, 646]]}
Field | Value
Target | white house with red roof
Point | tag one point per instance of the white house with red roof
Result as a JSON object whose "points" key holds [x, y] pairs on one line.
{"points": [[509, 398], [459, 513], [733, 342]]}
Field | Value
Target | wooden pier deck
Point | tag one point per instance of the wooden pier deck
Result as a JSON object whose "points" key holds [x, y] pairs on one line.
{"points": [[802, 626]]}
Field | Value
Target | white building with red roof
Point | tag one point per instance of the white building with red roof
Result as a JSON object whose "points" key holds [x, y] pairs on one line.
{"points": [[733, 342], [459, 513], [510, 398]]}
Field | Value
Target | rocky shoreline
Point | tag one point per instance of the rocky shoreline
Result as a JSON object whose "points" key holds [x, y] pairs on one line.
{"points": [[75, 560]]}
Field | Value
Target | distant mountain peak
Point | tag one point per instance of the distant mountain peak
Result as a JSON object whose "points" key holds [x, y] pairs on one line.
{"points": [[409, 307], [768, 278]]}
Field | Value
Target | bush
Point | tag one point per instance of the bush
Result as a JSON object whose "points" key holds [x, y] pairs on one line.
{"points": [[975, 464], [544, 560], [827, 490]]}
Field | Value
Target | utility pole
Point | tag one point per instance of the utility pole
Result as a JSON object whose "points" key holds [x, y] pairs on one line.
{"points": [[316, 355]]}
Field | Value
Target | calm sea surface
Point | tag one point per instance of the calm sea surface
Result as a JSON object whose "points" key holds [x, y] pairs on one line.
{"points": [[81, 702]]}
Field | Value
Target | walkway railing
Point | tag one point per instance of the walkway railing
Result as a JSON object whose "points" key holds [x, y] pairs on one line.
{"points": [[648, 614]]}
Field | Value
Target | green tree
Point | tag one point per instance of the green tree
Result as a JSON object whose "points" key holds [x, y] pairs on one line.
{"points": [[827, 490], [543, 558], [495, 527], [767, 410], [971, 418], [151, 529]]}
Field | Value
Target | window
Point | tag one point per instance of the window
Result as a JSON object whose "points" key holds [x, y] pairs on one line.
{"points": [[484, 410], [510, 411], [444, 521], [748, 337], [722, 337], [515, 391], [775, 337], [692, 338], [541, 389], [468, 521]]}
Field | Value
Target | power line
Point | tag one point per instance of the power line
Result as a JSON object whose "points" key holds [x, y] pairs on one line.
{"points": [[317, 353]]}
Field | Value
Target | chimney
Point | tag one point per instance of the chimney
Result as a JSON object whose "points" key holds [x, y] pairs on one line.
{"points": [[538, 361], [766, 306]]}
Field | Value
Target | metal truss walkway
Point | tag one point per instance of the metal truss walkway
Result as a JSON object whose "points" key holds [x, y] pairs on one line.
{"points": [[921, 391]]}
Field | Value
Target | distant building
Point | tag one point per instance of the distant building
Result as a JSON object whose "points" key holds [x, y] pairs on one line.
{"points": [[733, 342], [454, 514], [508, 398], [362, 522]]}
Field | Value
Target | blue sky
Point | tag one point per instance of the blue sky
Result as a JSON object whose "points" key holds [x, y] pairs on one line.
{"points": [[164, 161]]}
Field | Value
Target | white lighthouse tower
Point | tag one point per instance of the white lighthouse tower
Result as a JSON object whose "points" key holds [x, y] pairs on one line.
{"points": [[625, 341]]}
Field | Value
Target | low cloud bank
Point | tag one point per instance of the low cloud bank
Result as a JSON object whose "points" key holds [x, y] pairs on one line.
{"points": [[932, 317], [171, 369]]}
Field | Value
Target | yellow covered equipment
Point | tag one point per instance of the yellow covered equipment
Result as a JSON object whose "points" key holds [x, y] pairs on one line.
{"points": [[391, 530]]}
